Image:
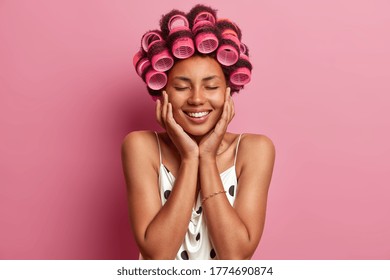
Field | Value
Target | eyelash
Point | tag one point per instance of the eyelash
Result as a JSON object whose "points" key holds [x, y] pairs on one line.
{"points": [[186, 88], [181, 88]]}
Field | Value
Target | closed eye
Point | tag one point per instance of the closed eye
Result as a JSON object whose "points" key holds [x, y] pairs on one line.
{"points": [[212, 88], [181, 88]]}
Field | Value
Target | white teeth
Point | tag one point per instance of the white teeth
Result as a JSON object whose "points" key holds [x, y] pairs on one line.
{"points": [[198, 114]]}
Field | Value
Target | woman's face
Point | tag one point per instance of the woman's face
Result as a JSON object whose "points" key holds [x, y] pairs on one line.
{"points": [[196, 89]]}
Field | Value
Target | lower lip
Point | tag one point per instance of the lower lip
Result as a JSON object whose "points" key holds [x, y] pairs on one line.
{"points": [[198, 120]]}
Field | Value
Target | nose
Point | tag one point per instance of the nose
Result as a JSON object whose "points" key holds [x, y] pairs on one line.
{"points": [[197, 97]]}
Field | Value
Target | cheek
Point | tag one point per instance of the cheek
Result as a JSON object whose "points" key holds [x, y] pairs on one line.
{"points": [[218, 100], [176, 107]]}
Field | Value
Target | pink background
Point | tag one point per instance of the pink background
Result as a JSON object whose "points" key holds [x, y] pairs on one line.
{"points": [[69, 94]]}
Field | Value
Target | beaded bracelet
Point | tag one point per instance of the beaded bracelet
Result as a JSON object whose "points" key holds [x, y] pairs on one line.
{"points": [[211, 195]]}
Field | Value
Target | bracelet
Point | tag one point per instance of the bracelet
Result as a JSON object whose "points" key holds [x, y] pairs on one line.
{"points": [[211, 195]]}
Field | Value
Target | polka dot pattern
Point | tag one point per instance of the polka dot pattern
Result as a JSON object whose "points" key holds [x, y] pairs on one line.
{"points": [[231, 190], [213, 254], [197, 244], [184, 255], [167, 193]]}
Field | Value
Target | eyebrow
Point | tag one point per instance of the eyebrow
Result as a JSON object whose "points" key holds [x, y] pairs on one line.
{"points": [[185, 79]]}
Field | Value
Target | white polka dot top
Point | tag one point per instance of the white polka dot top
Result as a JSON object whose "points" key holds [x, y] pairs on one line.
{"points": [[196, 244]]}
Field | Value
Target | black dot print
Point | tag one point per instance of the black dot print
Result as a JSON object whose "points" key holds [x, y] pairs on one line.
{"points": [[231, 190], [212, 254], [198, 236], [167, 193], [184, 255], [199, 210]]}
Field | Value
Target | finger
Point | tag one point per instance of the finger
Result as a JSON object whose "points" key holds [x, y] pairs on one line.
{"points": [[164, 107], [158, 112], [227, 106], [232, 110], [231, 104], [226, 113], [221, 125], [227, 94], [170, 119]]}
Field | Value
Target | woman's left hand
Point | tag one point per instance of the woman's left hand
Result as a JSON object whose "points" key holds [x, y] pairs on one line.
{"points": [[209, 145]]}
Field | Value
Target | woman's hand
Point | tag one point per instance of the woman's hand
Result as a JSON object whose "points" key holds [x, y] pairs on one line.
{"points": [[209, 145], [186, 146]]}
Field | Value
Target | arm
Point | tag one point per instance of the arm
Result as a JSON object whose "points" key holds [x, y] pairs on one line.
{"points": [[236, 231], [158, 230]]}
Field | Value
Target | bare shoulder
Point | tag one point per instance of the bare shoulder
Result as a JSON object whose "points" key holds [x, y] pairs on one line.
{"points": [[256, 144], [140, 146], [256, 152], [138, 139]]}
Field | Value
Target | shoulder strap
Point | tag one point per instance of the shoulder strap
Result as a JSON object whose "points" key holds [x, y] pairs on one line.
{"points": [[238, 143], [159, 148]]}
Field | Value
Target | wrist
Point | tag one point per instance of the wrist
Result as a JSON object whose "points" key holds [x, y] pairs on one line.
{"points": [[190, 159], [190, 155], [207, 159]]}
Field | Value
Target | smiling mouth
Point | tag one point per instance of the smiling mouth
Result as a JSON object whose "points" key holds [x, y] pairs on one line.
{"points": [[197, 114]]}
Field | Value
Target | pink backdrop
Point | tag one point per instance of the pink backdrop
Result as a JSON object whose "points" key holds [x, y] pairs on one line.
{"points": [[69, 94]]}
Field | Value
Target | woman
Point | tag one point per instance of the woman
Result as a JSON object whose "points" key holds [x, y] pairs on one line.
{"points": [[196, 191]]}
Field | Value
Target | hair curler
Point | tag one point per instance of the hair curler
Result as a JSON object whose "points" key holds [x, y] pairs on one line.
{"points": [[181, 36], [205, 16], [141, 63], [182, 44], [206, 40], [243, 49], [159, 56], [241, 75], [156, 80], [228, 52], [149, 38]]}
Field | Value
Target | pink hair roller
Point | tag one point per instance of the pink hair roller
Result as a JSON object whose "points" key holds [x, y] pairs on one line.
{"points": [[153, 44], [177, 21], [149, 38], [140, 63], [159, 56], [156, 80], [244, 56], [162, 61], [240, 76], [201, 24], [243, 49], [227, 54], [232, 38], [183, 46], [205, 41], [137, 57], [205, 16]]}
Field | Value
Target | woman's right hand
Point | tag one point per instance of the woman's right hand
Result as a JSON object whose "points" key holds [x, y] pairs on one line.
{"points": [[186, 146]]}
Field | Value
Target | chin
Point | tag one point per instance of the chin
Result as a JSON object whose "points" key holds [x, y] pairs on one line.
{"points": [[198, 131]]}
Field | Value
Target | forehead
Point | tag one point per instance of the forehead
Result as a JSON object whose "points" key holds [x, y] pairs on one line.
{"points": [[197, 67]]}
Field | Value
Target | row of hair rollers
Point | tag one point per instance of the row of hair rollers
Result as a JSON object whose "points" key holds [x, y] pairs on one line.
{"points": [[154, 58]]}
